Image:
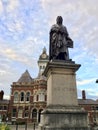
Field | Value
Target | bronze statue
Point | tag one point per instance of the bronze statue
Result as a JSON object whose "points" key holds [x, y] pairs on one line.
{"points": [[59, 41]]}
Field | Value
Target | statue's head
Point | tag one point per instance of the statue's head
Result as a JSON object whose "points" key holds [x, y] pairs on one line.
{"points": [[59, 20]]}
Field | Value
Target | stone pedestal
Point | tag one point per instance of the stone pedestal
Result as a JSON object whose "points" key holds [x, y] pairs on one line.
{"points": [[62, 112]]}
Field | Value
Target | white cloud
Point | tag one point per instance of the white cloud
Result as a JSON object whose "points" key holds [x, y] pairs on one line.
{"points": [[25, 31], [16, 26], [80, 16], [7, 97], [2, 72], [1, 7], [86, 81], [12, 5], [13, 54]]}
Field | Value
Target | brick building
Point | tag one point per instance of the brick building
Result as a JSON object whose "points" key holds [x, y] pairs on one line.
{"points": [[28, 95], [91, 106], [4, 104]]}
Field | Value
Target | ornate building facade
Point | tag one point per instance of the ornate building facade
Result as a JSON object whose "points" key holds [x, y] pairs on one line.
{"points": [[28, 95]]}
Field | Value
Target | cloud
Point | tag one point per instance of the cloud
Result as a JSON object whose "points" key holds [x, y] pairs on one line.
{"points": [[24, 31], [11, 5], [1, 7], [2, 72], [85, 82], [81, 19], [90, 93], [10, 53], [6, 97]]}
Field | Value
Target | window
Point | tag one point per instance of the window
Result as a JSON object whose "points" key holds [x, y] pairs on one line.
{"points": [[26, 114], [34, 115], [16, 97], [20, 113], [40, 67], [43, 67], [5, 107], [37, 97], [22, 96], [1, 107], [96, 107], [39, 114], [14, 112], [34, 98], [93, 107], [45, 97], [41, 97], [28, 96]]}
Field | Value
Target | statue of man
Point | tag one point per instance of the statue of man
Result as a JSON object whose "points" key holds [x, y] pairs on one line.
{"points": [[59, 41]]}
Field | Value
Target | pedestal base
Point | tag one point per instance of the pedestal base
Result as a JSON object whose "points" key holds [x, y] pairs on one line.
{"points": [[63, 118], [61, 83], [62, 112]]}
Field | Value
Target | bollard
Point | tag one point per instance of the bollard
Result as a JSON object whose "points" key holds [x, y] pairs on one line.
{"points": [[34, 126], [16, 126], [25, 126]]}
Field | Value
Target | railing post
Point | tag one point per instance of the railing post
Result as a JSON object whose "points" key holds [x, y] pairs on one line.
{"points": [[34, 126], [26, 126], [16, 126]]}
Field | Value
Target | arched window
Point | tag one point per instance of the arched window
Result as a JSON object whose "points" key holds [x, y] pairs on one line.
{"points": [[14, 112], [28, 96], [34, 115], [16, 97], [22, 96], [39, 114]]}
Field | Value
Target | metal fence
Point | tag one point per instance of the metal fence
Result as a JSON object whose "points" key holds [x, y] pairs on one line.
{"points": [[24, 127]]}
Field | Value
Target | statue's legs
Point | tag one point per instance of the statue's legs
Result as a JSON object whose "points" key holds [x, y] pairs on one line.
{"points": [[62, 56]]}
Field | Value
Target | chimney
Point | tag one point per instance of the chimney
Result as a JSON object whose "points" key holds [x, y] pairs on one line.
{"points": [[1, 95], [83, 95]]}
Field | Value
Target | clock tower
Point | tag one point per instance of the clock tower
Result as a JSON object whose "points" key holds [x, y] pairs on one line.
{"points": [[42, 62]]}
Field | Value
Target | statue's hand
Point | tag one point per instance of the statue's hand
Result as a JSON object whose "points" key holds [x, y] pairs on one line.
{"points": [[70, 43]]}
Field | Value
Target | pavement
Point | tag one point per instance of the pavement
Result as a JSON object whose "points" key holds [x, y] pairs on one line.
{"points": [[23, 127]]}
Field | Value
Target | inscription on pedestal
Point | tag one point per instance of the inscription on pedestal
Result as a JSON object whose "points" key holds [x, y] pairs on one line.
{"points": [[64, 89]]}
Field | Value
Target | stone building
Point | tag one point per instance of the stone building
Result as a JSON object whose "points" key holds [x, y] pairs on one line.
{"points": [[28, 95]]}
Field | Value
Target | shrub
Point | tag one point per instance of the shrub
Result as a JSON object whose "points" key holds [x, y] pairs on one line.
{"points": [[7, 128], [4, 127]]}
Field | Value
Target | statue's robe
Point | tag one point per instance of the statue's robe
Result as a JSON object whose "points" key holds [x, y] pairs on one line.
{"points": [[59, 42]]}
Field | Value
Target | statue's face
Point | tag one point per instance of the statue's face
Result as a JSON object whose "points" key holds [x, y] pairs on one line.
{"points": [[59, 20]]}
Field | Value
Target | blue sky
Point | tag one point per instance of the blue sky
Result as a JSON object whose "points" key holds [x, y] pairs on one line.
{"points": [[24, 31]]}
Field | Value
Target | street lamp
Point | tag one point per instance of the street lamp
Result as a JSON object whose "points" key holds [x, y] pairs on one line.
{"points": [[96, 80], [95, 108]]}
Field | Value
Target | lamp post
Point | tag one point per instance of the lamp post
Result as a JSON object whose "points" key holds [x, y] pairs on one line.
{"points": [[96, 80], [95, 108]]}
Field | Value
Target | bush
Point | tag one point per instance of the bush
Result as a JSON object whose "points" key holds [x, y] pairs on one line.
{"points": [[4, 127], [7, 128]]}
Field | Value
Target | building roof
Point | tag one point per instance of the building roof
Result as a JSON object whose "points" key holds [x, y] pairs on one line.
{"points": [[25, 77], [4, 101], [87, 102]]}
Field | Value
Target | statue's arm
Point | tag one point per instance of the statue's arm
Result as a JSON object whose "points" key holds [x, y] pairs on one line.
{"points": [[69, 40], [50, 45]]}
